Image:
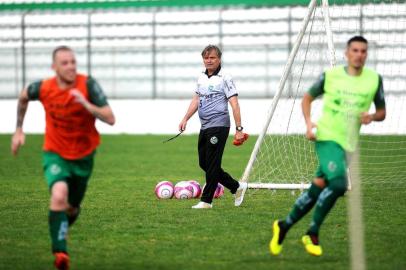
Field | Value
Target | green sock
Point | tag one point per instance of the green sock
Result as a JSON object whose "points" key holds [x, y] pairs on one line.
{"points": [[326, 201], [58, 228], [302, 206]]}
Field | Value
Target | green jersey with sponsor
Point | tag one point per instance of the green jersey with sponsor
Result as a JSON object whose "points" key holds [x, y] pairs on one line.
{"points": [[345, 98]]}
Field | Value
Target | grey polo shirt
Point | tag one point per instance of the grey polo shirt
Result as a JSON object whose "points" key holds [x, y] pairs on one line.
{"points": [[214, 92]]}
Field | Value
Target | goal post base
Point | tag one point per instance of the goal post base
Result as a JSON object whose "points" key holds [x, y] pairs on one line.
{"points": [[301, 186]]}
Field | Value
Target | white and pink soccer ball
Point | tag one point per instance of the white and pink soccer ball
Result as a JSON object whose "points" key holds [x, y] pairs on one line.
{"points": [[183, 190], [219, 191], [164, 190], [197, 190]]}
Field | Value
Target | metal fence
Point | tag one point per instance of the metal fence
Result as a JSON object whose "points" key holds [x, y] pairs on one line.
{"points": [[156, 53]]}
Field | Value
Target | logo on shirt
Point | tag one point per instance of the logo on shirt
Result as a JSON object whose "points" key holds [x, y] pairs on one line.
{"points": [[211, 88], [214, 140]]}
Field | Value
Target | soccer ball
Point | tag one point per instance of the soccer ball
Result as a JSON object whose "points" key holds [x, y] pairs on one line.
{"points": [[183, 190], [219, 191], [197, 190], [164, 190]]}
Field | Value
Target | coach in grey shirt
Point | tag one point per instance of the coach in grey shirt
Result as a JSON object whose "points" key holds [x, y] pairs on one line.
{"points": [[215, 89]]}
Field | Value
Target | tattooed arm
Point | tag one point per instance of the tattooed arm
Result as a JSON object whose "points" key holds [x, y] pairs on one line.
{"points": [[18, 138]]}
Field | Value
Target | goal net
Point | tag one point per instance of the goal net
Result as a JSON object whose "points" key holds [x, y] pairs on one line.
{"points": [[282, 157]]}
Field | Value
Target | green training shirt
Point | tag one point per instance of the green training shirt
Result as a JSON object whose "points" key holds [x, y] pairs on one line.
{"points": [[345, 97]]}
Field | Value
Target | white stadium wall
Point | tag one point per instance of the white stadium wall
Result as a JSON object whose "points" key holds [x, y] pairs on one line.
{"points": [[163, 116]]}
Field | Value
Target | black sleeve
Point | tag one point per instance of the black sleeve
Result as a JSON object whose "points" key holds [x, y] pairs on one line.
{"points": [[379, 99], [317, 89], [96, 94], [33, 90]]}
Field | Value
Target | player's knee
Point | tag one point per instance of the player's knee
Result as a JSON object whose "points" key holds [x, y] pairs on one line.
{"points": [[58, 201], [59, 196], [319, 182]]}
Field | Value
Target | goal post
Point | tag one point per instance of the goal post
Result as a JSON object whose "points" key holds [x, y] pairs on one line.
{"points": [[329, 32], [282, 157], [288, 67], [275, 100]]}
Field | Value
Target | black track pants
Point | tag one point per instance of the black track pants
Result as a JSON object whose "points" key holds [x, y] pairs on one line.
{"points": [[211, 147]]}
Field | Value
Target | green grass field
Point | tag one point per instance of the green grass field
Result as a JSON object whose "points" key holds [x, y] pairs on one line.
{"points": [[124, 226]]}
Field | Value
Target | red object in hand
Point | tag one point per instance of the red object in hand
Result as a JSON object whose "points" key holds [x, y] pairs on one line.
{"points": [[241, 141]]}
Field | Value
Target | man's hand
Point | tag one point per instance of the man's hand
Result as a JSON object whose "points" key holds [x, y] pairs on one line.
{"points": [[366, 118], [104, 113], [182, 125], [310, 131], [239, 135], [17, 140], [79, 97], [240, 138]]}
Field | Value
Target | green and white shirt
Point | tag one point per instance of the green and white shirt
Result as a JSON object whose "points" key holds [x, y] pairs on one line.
{"points": [[214, 92]]}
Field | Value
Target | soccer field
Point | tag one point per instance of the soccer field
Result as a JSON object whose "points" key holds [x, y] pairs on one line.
{"points": [[123, 226]]}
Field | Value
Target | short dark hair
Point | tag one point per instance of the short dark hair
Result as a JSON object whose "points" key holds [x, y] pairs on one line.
{"points": [[58, 49], [210, 48], [356, 39]]}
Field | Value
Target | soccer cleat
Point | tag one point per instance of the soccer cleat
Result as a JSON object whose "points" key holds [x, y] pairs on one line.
{"points": [[61, 260], [241, 141], [275, 245], [239, 194], [202, 205], [311, 244]]}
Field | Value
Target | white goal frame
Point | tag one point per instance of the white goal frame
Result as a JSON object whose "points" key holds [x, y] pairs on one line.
{"points": [[287, 69]]}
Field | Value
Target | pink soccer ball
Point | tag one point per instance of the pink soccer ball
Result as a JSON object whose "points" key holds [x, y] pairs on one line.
{"points": [[219, 191], [164, 190], [183, 190], [197, 190]]}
